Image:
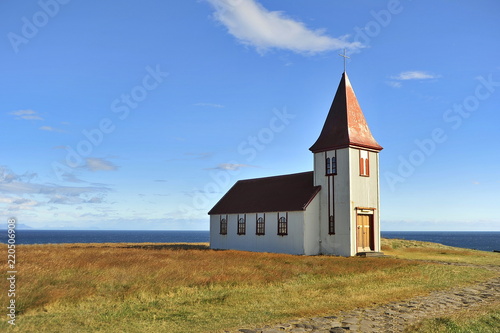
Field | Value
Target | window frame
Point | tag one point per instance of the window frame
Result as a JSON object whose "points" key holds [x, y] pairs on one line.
{"points": [[260, 225], [242, 224], [223, 225], [283, 225], [364, 163], [331, 164]]}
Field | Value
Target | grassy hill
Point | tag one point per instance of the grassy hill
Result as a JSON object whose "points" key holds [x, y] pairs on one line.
{"points": [[190, 288]]}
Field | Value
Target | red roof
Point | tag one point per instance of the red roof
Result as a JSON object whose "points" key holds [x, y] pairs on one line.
{"points": [[345, 125], [271, 194]]}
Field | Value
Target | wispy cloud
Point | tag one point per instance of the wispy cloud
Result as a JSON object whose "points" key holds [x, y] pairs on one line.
{"points": [[8, 176], [252, 24], [394, 84], [26, 114], [51, 129], [232, 166], [212, 105], [22, 192], [99, 164], [17, 204], [71, 178], [415, 75]]}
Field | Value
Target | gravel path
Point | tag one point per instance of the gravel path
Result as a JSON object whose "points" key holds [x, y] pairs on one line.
{"points": [[394, 317]]}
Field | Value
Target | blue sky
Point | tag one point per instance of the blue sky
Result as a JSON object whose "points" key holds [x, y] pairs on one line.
{"points": [[140, 115]]}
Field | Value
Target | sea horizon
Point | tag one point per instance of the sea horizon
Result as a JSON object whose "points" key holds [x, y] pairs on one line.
{"points": [[478, 240]]}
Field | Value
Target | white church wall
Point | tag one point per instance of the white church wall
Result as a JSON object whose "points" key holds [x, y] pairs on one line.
{"points": [[292, 243], [365, 193], [340, 242], [312, 227]]}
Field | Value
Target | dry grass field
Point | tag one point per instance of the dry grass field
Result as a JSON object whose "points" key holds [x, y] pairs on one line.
{"points": [[189, 288]]}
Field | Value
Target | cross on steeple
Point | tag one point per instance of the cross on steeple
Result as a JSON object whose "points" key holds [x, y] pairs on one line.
{"points": [[345, 58]]}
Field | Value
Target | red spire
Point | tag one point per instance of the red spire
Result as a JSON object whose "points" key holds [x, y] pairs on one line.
{"points": [[345, 125]]}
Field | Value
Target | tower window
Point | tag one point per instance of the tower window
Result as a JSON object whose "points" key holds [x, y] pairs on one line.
{"points": [[261, 226], [283, 225], [223, 225], [364, 163], [331, 165], [242, 225]]}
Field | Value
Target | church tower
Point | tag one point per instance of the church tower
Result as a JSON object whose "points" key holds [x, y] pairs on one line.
{"points": [[346, 166]]}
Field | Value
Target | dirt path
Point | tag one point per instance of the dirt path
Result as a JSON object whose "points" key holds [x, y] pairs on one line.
{"points": [[394, 317]]}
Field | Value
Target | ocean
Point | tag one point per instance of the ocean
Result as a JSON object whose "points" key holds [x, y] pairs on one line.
{"points": [[478, 240]]}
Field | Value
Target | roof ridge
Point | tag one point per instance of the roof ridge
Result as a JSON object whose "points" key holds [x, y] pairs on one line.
{"points": [[278, 176]]}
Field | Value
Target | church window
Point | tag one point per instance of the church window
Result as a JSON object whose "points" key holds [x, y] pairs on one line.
{"points": [[241, 225], [283, 225], [223, 225], [331, 225], [261, 226], [331, 165], [334, 165], [364, 163]]}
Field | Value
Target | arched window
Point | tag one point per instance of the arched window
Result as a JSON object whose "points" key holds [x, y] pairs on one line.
{"points": [[331, 165], [283, 225], [261, 226], [241, 225], [223, 225]]}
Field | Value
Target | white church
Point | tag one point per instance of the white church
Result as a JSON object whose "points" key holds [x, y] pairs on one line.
{"points": [[332, 210]]}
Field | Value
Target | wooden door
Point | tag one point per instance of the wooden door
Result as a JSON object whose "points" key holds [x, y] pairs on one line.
{"points": [[364, 233]]}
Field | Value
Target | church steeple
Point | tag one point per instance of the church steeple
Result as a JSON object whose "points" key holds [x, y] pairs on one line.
{"points": [[345, 125]]}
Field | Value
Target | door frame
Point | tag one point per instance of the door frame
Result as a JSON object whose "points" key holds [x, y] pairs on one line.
{"points": [[370, 212]]}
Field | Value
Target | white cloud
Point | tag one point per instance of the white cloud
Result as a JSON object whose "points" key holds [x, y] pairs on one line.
{"points": [[19, 187], [26, 114], [95, 200], [8, 176], [254, 25], [99, 164], [71, 178], [51, 129], [232, 166], [394, 84], [415, 75]]}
